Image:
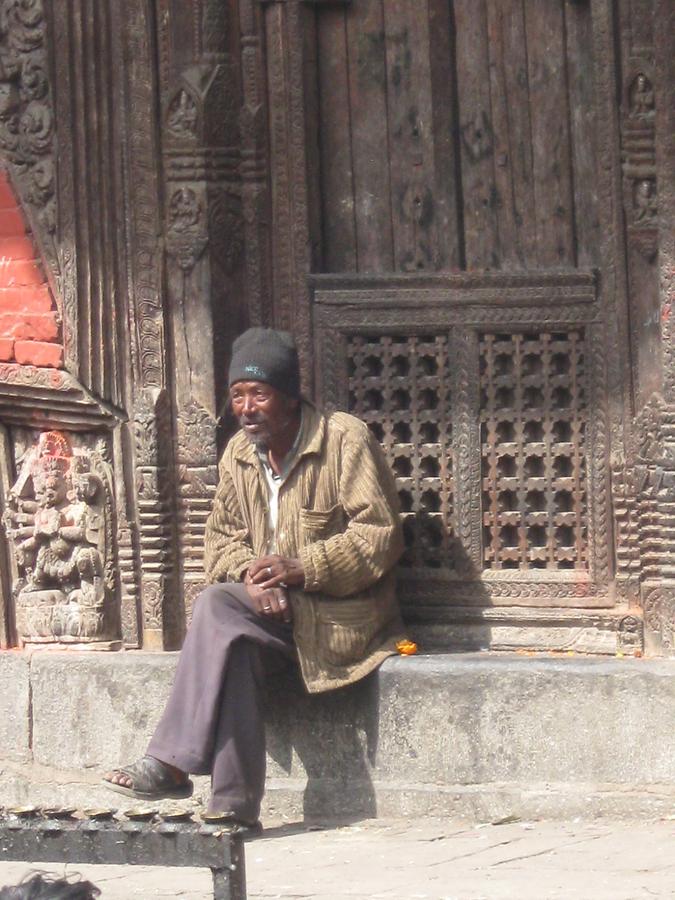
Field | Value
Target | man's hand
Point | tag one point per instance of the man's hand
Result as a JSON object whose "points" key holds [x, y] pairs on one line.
{"points": [[271, 602], [276, 571]]}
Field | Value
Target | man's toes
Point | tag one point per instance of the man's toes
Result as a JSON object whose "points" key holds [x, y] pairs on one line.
{"points": [[118, 778]]}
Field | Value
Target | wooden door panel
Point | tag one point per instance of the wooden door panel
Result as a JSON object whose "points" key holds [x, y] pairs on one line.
{"points": [[510, 106], [335, 143], [370, 137], [549, 122], [457, 135]]}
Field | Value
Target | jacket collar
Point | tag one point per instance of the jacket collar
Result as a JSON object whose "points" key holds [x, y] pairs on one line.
{"points": [[312, 432]]}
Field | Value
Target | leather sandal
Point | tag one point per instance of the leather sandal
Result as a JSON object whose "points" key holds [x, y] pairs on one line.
{"points": [[230, 822], [151, 780]]}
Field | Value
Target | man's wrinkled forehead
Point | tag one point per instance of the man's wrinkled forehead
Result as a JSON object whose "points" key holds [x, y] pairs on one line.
{"points": [[253, 386]]}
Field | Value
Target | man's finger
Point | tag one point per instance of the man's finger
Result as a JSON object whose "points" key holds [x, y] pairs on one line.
{"points": [[274, 582], [269, 603], [267, 573], [285, 606], [275, 603], [261, 570], [259, 565]]}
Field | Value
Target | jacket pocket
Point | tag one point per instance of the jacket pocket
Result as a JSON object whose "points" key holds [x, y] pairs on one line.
{"points": [[346, 629], [319, 523]]}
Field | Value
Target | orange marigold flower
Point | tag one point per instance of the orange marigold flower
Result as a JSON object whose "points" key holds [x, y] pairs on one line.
{"points": [[406, 648]]}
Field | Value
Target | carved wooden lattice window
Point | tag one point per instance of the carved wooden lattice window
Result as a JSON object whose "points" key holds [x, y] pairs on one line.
{"points": [[488, 393], [533, 415], [400, 386]]}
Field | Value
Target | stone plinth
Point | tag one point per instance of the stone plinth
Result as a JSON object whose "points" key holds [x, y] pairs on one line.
{"points": [[478, 735]]}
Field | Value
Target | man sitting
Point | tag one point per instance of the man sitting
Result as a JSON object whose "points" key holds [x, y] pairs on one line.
{"points": [[299, 551]]}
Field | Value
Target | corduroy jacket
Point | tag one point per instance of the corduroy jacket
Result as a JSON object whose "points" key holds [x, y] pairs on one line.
{"points": [[338, 513]]}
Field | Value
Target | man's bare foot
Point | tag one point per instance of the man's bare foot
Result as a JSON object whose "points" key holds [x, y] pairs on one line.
{"points": [[149, 779]]}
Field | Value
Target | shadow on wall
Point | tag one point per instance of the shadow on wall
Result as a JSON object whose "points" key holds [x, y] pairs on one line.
{"points": [[443, 600], [332, 739]]}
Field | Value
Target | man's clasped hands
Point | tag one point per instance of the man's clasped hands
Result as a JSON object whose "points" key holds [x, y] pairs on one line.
{"points": [[266, 580]]}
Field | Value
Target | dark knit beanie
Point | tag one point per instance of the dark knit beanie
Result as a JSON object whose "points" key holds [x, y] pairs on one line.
{"points": [[263, 354]]}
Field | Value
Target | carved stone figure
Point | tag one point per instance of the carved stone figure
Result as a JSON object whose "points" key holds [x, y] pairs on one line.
{"points": [[645, 201], [58, 518], [642, 98], [182, 118], [187, 235]]}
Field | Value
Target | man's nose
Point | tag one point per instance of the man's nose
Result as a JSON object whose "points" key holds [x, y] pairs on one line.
{"points": [[249, 406]]}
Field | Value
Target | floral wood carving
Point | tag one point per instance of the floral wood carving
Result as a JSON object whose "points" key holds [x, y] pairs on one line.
{"points": [[187, 235], [59, 519], [196, 429], [26, 116]]}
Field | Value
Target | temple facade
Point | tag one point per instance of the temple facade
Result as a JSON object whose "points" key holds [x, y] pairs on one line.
{"points": [[462, 209]]}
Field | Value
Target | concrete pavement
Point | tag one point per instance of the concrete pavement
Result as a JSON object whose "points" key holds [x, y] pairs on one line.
{"points": [[432, 859]]}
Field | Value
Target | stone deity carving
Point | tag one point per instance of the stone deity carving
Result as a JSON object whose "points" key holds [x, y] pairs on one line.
{"points": [[58, 519], [642, 99], [646, 205]]}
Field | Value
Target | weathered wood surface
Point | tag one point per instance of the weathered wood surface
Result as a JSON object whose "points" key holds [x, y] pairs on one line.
{"points": [[246, 146], [369, 137], [456, 135], [513, 145]]}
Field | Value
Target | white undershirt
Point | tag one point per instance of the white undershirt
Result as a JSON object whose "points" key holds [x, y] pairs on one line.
{"points": [[274, 483]]}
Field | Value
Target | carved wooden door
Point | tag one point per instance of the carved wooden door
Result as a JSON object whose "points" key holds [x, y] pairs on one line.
{"points": [[447, 209]]}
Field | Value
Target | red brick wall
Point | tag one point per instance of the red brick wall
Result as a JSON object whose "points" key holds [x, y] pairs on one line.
{"points": [[29, 322]]}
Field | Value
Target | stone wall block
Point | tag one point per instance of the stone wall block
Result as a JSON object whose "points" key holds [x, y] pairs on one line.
{"points": [[467, 720], [96, 710], [14, 708]]}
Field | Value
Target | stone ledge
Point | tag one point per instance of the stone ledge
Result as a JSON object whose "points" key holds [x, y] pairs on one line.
{"points": [[479, 735]]}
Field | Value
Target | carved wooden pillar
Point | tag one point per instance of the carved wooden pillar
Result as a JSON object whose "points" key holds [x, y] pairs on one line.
{"points": [[289, 28], [656, 459], [664, 99], [8, 568], [200, 110], [255, 186], [637, 111], [150, 438]]}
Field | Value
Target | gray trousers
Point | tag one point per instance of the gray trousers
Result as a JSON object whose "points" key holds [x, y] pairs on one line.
{"points": [[213, 722]]}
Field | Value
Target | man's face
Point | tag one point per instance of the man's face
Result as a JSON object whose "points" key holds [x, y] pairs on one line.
{"points": [[266, 415]]}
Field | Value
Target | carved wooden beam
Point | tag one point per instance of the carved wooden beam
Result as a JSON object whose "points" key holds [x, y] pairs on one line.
{"points": [[312, 2]]}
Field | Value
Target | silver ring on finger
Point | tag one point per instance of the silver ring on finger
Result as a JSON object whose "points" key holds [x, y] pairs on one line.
{"points": [[267, 609], [269, 571], [282, 602]]}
